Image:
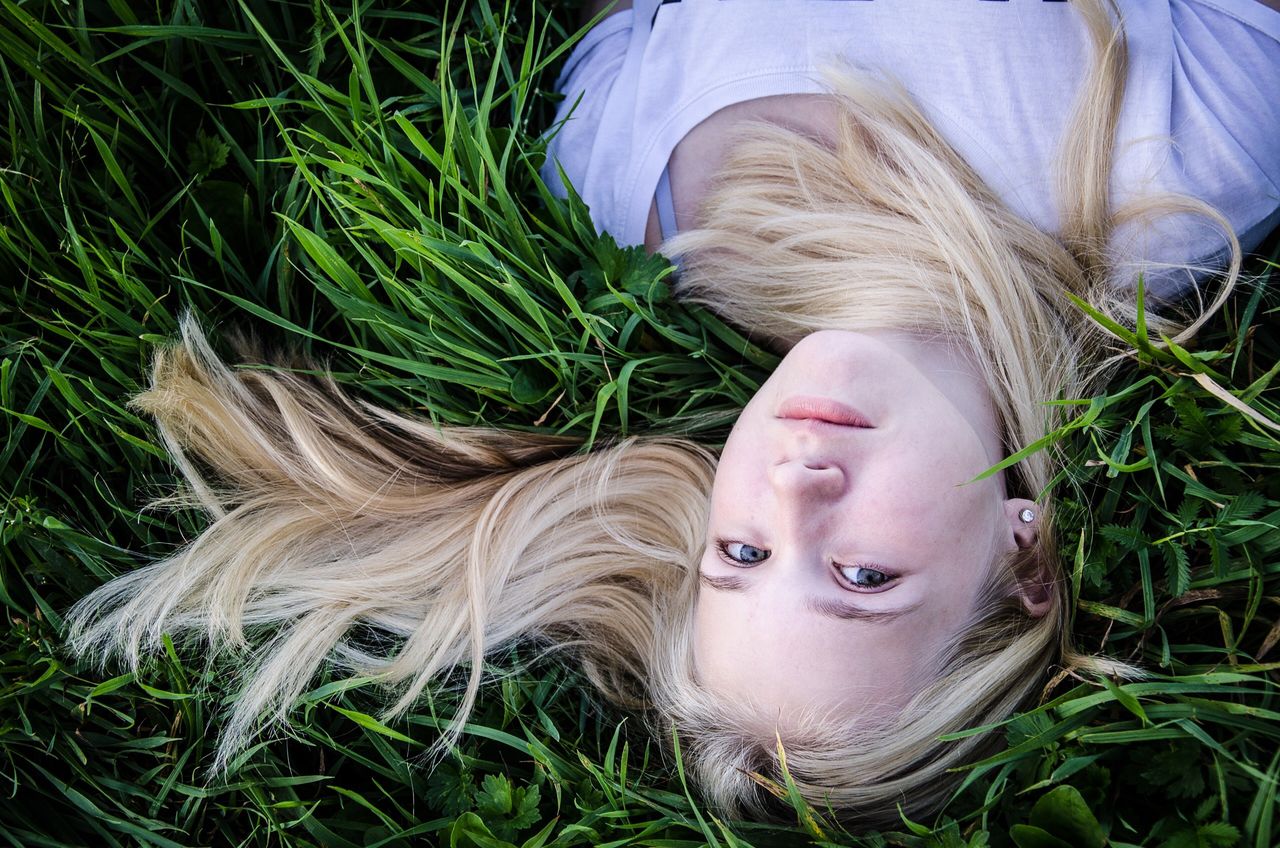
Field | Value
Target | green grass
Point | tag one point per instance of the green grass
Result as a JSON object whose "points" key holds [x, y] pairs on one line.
{"points": [[361, 182]]}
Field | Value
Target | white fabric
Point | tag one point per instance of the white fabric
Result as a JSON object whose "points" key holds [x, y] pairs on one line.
{"points": [[1201, 114]]}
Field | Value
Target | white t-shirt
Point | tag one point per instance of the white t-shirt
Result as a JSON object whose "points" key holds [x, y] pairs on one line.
{"points": [[998, 79]]}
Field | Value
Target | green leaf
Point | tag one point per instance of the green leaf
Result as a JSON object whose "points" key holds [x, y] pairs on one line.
{"points": [[540, 838], [1126, 700], [494, 797], [370, 723], [111, 685], [470, 830], [206, 154], [1177, 568], [1029, 836], [1063, 812], [1218, 834], [525, 812]]}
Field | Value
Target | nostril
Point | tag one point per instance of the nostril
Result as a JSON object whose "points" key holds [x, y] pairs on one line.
{"points": [[808, 475]]}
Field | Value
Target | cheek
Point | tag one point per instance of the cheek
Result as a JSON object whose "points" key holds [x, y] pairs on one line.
{"points": [[930, 510], [719, 645], [931, 476], [740, 476], [902, 488]]}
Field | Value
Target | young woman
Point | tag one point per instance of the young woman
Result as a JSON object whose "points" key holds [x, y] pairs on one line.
{"points": [[837, 581]]}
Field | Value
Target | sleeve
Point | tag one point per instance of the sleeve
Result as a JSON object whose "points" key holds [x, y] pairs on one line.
{"points": [[1225, 110], [586, 80]]}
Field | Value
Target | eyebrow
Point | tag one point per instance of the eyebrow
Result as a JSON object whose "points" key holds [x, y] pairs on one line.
{"points": [[843, 610]]}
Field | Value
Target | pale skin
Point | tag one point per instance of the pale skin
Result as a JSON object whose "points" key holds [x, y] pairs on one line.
{"points": [[841, 560]]}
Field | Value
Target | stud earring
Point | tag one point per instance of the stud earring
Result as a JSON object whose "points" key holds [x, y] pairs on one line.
{"points": [[1027, 516]]}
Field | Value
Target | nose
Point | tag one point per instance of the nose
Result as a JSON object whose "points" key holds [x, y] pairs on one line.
{"points": [[807, 478]]}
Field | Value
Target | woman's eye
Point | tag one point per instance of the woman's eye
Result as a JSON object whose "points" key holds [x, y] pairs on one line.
{"points": [[863, 577], [743, 554]]}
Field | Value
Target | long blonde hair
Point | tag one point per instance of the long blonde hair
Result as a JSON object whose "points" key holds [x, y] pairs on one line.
{"points": [[889, 228], [330, 515]]}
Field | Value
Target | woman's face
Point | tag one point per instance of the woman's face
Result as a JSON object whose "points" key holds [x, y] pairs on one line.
{"points": [[846, 547]]}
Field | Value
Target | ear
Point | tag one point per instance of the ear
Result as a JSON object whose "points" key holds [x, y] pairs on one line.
{"points": [[1035, 591], [1021, 531]]}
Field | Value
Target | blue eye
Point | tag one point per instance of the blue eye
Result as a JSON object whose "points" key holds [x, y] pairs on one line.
{"points": [[740, 553], [862, 577]]}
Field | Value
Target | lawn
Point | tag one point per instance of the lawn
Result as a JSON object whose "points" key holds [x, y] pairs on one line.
{"points": [[360, 183]]}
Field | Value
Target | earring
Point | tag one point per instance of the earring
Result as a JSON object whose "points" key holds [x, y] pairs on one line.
{"points": [[1027, 516]]}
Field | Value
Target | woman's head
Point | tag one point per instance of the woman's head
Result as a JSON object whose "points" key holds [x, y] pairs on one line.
{"points": [[859, 593], [849, 544]]}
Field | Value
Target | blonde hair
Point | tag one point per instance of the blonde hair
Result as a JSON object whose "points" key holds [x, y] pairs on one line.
{"points": [[331, 516], [889, 228]]}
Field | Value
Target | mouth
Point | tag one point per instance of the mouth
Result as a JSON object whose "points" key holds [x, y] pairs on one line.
{"points": [[823, 410]]}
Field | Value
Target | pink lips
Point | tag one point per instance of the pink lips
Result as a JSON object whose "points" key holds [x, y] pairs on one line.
{"points": [[806, 408]]}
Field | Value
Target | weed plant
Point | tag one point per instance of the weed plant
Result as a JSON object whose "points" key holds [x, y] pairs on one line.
{"points": [[360, 182]]}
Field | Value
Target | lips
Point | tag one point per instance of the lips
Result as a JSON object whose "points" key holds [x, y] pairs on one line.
{"points": [[825, 410]]}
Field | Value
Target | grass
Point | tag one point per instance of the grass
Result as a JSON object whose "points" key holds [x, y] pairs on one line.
{"points": [[361, 181]]}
